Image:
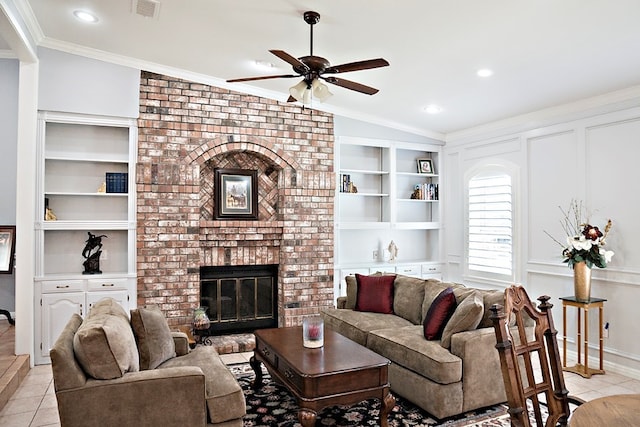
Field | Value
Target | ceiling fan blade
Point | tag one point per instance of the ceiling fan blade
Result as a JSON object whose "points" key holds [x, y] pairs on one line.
{"points": [[357, 66], [295, 62], [358, 87], [247, 79]]}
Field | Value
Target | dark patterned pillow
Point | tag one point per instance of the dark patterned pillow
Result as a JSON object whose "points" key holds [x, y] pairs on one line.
{"points": [[439, 314]]}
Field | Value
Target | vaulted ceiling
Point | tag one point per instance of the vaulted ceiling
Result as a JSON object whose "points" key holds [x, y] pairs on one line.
{"points": [[543, 53]]}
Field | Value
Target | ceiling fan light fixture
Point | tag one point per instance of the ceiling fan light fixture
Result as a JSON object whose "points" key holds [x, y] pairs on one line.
{"points": [[320, 90], [301, 92]]}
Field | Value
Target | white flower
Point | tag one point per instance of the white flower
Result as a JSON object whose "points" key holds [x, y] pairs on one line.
{"points": [[607, 255], [580, 243]]}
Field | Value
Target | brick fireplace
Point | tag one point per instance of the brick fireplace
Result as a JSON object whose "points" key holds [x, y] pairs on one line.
{"points": [[185, 131]]}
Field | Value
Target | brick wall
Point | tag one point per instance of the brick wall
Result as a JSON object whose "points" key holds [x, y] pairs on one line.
{"points": [[185, 131]]}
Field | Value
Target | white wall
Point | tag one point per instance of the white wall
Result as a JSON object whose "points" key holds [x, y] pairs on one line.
{"points": [[76, 84], [343, 126], [8, 138], [593, 159]]}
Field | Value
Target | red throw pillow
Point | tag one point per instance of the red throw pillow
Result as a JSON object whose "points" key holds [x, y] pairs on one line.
{"points": [[439, 314], [375, 294]]}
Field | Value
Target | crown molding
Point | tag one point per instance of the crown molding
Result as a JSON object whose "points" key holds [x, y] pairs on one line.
{"points": [[215, 81], [606, 103]]}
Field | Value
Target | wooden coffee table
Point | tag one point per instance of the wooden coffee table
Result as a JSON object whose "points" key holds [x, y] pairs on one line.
{"points": [[340, 373]]}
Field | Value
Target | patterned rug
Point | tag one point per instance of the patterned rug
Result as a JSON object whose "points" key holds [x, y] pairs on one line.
{"points": [[273, 405]]}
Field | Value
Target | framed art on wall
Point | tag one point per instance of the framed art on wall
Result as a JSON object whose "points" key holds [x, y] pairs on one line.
{"points": [[236, 194], [7, 248]]}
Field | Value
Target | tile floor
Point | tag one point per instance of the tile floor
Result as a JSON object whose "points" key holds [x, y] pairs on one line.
{"points": [[34, 403]]}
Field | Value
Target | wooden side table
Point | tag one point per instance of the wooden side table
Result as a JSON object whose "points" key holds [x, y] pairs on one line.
{"points": [[579, 368]]}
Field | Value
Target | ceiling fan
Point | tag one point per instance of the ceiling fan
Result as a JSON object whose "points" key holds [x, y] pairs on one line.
{"points": [[312, 68]]}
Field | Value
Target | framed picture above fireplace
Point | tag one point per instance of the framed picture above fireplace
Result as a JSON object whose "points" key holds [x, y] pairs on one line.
{"points": [[236, 194]]}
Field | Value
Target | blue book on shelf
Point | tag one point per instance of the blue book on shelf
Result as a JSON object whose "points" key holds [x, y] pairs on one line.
{"points": [[117, 182]]}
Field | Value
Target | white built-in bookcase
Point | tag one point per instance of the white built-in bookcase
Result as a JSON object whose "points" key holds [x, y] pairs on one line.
{"points": [[74, 154], [385, 174]]}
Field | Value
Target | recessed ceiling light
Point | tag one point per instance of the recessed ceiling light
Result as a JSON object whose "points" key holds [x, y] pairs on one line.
{"points": [[484, 72], [85, 16], [433, 109], [264, 64]]}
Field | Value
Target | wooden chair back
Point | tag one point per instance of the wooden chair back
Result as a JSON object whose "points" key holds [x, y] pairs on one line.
{"points": [[530, 360]]}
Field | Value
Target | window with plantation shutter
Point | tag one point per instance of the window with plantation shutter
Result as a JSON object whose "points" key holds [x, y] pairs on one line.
{"points": [[490, 226]]}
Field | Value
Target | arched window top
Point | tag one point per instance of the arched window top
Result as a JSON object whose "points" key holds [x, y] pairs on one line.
{"points": [[490, 224]]}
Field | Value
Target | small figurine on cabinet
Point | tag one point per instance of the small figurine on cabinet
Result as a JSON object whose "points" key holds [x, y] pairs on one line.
{"points": [[91, 252], [393, 251]]}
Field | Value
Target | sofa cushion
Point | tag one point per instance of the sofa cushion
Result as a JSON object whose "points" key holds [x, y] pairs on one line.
{"points": [[154, 338], [407, 298], [375, 293], [438, 314], [105, 347], [352, 291], [490, 297], [406, 347], [466, 317], [356, 325], [225, 399]]}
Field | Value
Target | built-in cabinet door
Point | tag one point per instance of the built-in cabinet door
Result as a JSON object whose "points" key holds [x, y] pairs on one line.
{"points": [[120, 296], [57, 309]]}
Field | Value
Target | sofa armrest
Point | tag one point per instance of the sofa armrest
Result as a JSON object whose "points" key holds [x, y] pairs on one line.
{"points": [[181, 341], [481, 371], [170, 396], [341, 302]]}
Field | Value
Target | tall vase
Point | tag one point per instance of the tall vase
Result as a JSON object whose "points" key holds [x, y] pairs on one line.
{"points": [[582, 281]]}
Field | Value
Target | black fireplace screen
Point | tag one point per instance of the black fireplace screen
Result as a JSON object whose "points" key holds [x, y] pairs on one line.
{"points": [[239, 298]]}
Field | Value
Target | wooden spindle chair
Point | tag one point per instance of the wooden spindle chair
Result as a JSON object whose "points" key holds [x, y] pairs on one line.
{"points": [[530, 360]]}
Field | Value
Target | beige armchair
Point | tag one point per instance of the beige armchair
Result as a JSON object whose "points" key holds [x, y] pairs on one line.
{"points": [[189, 388]]}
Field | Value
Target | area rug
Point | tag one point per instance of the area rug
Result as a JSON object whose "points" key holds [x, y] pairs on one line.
{"points": [[272, 405]]}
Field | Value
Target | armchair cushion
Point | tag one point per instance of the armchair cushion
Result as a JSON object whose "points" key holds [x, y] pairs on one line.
{"points": [[154, 338], [105, 347], [224, 396]]}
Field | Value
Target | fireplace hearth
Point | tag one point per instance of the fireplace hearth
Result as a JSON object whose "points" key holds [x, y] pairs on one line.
{"points": [[239, 298]]}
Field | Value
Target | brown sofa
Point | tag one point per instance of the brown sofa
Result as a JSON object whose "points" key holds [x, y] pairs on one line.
{"points": [[448, 376], [105, 374]]}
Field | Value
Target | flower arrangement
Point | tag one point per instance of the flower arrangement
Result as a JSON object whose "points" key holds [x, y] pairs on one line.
{"points": [[585, 242]]}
